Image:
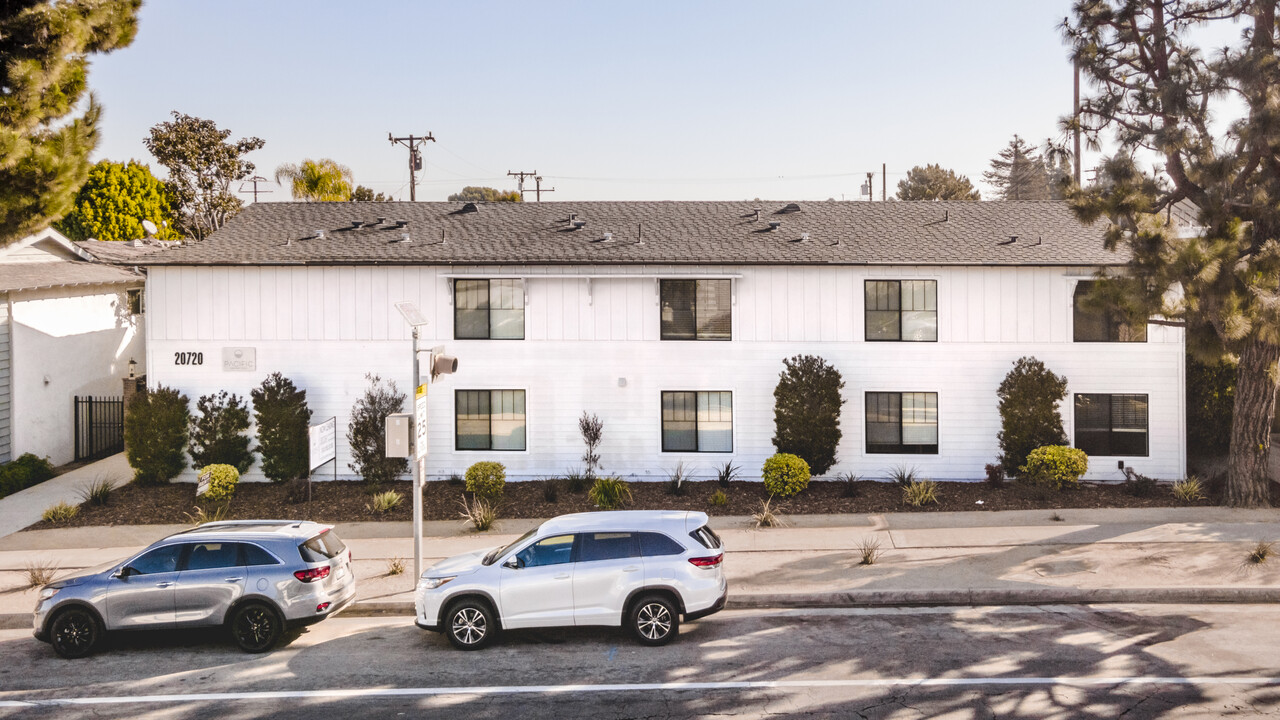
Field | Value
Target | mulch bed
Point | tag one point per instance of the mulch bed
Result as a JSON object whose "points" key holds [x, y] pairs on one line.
{"points": [[351, 501]]}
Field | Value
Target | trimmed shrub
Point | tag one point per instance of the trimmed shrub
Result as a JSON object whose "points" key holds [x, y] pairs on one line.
{"points": [[367, 432], [785, 474], [155, 435], [24, 472], [222, 481], [281, 412], [1029, 418], [609, 493], [1056, 467], [806, 411], [218, 432], [718, 499], [487, 479]]}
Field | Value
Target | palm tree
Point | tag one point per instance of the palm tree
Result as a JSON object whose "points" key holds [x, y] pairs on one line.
{"points": [[321, 180]]}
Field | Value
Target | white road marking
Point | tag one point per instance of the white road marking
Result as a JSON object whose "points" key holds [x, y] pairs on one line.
{"points": [[357, 693]]}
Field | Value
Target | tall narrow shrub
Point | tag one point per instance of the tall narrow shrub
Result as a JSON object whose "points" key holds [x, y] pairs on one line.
{"points": [[281, 413], [592, 430], [367, 435], [1029, 417], [155, 435], [218, 432], [806, 412]]}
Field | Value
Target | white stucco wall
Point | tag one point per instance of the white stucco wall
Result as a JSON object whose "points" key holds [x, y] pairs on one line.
{"points": [[325, 327], [67, 342]]}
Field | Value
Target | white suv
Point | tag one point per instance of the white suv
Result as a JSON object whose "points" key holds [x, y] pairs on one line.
{"points": [[640, 570]]}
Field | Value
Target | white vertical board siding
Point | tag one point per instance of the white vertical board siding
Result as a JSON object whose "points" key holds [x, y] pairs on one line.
{"points": [[326, 327], [6, 381]]}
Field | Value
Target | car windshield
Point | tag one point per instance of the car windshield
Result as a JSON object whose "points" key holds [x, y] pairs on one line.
{"points": [[499, 552]]}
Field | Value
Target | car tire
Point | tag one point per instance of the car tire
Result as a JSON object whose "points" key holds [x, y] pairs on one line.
{"points": [[256, 627], [654, 620], [75, 633], [470, 625]]}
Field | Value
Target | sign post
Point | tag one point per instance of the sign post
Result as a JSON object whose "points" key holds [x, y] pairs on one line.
{"points": [[323, 442]]}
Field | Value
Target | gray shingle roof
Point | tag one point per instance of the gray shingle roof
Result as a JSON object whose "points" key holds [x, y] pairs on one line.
{"points": [[34, 275], [954, 233], [117, 253]]}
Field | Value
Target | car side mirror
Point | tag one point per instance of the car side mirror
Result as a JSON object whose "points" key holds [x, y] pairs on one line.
{"points": [[513, 562]]}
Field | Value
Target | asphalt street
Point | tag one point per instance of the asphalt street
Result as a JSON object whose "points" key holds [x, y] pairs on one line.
{"points": [[1135, 661]]}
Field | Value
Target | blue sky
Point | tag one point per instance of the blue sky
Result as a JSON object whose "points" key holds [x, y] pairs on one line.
{"points": [[607, 100]]}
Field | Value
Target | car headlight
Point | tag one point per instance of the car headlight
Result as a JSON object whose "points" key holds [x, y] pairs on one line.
{"points": [[47, 593], [433, 583]]}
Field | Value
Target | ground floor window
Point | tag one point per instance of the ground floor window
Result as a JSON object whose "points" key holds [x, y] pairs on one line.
{"points": [[489, 419], [697, 421], [905, 422], [1111, 424]]}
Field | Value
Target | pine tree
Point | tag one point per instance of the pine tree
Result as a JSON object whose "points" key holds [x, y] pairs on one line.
{"points": [[44, 144], [1019, 173], [1160, 93], [934, 182], [114, 201]]}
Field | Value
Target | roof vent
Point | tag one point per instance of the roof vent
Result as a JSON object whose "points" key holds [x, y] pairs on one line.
{"points": [[789, 208], [470, 208], [402, 223], [1012, 239], [757, 212], [357, 224], [578, 224], [775, 224], [319, 234], [607, 237], [804, 237], [382, 220], [404, 238]]}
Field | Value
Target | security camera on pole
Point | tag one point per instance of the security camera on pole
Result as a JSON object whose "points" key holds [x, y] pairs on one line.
{"points": [[401, 441]]}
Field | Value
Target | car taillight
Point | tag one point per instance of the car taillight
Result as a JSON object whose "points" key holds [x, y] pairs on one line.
{"points": [[712, 561], [312, 574]]}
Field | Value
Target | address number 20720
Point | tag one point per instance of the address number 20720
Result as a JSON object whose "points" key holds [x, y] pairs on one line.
{"points": [[188, 358]]}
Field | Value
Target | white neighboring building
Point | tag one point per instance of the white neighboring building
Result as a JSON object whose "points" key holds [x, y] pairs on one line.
{"points": [[670, 321], [68, 328]]}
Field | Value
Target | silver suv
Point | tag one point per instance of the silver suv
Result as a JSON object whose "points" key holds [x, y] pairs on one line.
{"points": [[255, 577], [637, 570]]}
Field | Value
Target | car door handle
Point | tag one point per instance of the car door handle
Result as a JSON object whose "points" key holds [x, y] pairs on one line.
{"points": [[630, 569], [164, 584], [562, 576], [233, 579]]}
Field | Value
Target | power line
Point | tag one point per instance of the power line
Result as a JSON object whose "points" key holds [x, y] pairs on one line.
{"points": [[415, 158], [520, 175]]}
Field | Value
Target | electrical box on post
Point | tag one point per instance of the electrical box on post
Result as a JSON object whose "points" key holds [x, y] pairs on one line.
{"points": [[398, 432]]}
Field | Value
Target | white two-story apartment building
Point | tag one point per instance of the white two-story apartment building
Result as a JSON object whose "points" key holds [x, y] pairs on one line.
{"points": [[670, 321]]}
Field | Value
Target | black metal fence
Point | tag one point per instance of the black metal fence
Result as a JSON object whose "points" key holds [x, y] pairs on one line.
{"points": [[99, 426]]}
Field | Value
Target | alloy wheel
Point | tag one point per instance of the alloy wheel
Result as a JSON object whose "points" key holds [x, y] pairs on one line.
{"points": [[653, 621], [469, 626]]}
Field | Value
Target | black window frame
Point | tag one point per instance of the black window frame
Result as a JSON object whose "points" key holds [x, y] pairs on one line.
{"points": [[900, 448], [665, 334], [488, 282], [662, 422], [489, 448], [866, 326], [1114, 324], [1092, 446], [135, 298]]}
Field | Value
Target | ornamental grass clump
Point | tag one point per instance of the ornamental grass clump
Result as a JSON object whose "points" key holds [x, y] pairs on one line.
{"points": [[1189, 490], [479, 513], [487, 479], [727, 473], [60, 513], [222, 481], [98, 491], [768, 516], [40, 572], [869, 551], [1054, 467], [785, 475], [919, 493], [201, 516], [384, 502], [718, 499], [676, 481], [609, 493]]}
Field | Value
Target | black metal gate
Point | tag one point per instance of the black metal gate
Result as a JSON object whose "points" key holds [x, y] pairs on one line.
{"points": [[99, 427]]}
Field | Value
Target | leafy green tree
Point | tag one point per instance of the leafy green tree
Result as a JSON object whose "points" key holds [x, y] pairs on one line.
{"points": [[472, 193], [47, 131], [1029, 417], [365, 194], [366, 433], [218, 432], [202, 165], [155, 435], [1210, 393], [322, 180], [114, 201], [1020, 173], [1209, 116], [281, 413], [806, 412], [933, 182]]}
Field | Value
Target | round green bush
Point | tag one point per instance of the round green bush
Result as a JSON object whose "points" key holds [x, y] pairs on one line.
{"points": [[222, 481], [1055, 467], [785, 474], [487, 479]]}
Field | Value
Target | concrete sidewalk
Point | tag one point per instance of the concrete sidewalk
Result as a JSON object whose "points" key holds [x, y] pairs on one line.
{"points": [[1177, 555], [21, 509]]}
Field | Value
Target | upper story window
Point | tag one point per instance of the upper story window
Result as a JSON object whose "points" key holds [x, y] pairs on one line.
{"points": [[1101, 326], [902, 423], [905, 310], [696, 309], [1111, 424], [489, 419], [488, 309], [697, 421]]}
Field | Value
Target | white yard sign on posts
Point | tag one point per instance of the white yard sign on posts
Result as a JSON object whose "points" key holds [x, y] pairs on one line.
{"points": [[324, 443]]}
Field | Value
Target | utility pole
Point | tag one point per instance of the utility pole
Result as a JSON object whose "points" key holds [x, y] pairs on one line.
{"points": [[871, 193], [415, 158], [255, 180], [520, 175], [537, 192], [884, 183]]}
